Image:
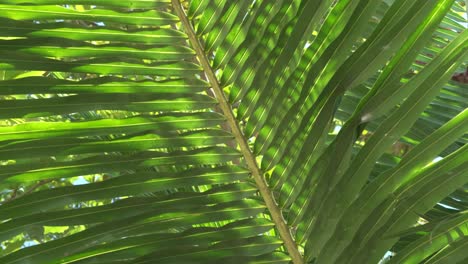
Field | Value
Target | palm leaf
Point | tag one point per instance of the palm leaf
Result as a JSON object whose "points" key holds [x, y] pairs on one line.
{"points": [[210, 131]]}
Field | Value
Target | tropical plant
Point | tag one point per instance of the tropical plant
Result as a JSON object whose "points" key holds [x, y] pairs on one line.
{"points": [[233, 131]]}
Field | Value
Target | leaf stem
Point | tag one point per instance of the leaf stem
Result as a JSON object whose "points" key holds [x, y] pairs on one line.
{"points": [[252, 165]]}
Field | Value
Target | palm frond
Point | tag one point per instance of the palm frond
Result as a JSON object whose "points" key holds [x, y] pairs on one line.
{"points": [[210, 131]]}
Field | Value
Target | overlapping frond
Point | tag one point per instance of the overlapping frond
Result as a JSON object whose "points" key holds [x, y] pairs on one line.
{"points": [[379, 72]]}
